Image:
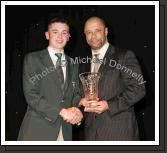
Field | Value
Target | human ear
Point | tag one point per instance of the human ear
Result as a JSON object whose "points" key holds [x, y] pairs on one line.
{"points": [[106, 31], [47, 35]]}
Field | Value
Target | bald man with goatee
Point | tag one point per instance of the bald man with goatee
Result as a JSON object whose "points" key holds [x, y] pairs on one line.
{"points": [[113, 117]]}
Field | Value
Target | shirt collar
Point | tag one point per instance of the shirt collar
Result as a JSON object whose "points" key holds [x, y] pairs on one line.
{"points": [[53, 51], [102, 51]]}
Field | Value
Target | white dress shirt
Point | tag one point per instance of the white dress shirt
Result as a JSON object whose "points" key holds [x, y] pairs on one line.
{"points": [[102, 51], [55, 58]]}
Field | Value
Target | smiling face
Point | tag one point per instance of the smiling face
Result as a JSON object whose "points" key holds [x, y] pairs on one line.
{"points": [[58, 35], [95, 32]]}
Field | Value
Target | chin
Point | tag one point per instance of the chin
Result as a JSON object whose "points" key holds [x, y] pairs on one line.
{"points": [[60, 46], [95, 48]]}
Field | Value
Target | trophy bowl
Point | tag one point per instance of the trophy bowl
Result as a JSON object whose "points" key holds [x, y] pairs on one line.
{"points": [[90, 86]]}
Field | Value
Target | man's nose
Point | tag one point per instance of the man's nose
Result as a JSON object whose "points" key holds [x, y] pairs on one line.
{"points": [[93, 35], [59, 35]]}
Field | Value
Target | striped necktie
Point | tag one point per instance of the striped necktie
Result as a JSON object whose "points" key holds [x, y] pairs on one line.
{"points": [[96, 63], [60, 70]]}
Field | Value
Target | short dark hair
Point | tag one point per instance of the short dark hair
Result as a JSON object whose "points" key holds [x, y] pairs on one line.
{"points": [[56, 19]]}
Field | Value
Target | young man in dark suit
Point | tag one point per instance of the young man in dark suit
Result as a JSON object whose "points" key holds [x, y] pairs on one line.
{"points": [[50, 83], [113, 118]]}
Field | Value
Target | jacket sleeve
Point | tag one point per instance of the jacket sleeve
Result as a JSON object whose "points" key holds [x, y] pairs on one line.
{"points": [[134, 89], [35, 100]]}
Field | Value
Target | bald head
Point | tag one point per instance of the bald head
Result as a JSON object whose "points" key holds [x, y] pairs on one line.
{"points": [[95, 32], [95, 19]]}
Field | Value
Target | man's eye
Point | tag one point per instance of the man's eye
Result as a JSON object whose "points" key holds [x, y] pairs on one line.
{"points": [[88, 33], [98, 30], [65, 33]]}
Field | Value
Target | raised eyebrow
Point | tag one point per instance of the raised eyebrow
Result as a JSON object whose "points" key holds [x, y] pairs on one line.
{"points": [[98, 29], [87, 31], [92, 31], [54, 30]]}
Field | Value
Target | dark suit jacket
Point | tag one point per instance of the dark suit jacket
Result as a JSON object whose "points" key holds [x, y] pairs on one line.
{"points": [[45, 98], [121, 90]]}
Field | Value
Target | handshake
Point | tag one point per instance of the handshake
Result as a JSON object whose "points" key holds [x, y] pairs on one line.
{"points": [[73, 115]]}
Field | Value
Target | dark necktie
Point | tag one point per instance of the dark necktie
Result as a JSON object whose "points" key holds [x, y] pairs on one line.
{"points": [[60, 70]]}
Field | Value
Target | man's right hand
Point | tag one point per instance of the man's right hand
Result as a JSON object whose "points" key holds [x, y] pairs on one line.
{"points": [[71, 115]]}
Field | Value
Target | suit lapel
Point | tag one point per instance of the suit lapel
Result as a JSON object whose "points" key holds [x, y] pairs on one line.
{"points": [[45, 57], [110, 54], [68, 72]]}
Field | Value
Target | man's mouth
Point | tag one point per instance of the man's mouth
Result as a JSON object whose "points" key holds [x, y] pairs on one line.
{"points": [[94, 41], [59, 41]]}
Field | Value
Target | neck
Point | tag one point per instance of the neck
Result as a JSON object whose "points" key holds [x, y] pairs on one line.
{"points": [[96, 51], [57, 50]]}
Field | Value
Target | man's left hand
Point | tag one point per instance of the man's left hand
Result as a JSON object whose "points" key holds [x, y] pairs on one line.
{"points": [[101, 107]]}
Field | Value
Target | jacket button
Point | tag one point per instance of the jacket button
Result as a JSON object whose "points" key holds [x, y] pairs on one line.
{"points": [[62, 101]]}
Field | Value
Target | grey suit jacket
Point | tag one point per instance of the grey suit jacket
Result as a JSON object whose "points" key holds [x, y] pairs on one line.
{"points": [[45, 97], [120, 86]]}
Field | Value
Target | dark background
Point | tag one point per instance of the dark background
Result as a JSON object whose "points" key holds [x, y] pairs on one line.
{"points": [[130, 27]]}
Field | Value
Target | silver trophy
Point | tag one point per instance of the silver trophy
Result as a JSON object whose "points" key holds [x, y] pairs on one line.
{"points": [[90, 86]]}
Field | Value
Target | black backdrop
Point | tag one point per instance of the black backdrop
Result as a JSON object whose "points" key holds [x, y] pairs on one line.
{"points": [[130, 27]]}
